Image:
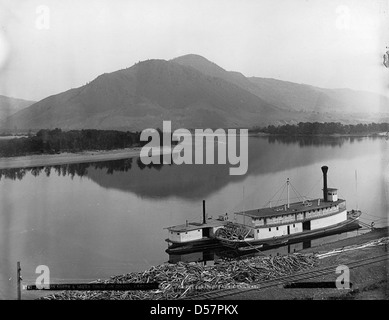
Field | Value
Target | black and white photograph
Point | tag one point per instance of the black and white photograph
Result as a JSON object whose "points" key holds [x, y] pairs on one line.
{"points": [[194, 154]]}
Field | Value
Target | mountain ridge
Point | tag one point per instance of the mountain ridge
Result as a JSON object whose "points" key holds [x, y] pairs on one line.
{"points": [[11, 105], [192, 92], [272, 90], [147, 93]]}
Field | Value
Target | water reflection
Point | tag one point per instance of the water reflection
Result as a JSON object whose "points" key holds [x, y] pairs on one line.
{"points": [[266, 155], [306, 141], [76, 169], [257, 150]]}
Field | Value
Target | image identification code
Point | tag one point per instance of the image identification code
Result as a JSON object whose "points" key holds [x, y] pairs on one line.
{"points": [[212, 309]]}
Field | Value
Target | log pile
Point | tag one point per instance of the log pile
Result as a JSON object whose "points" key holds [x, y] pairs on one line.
{"points": [[187, 279], [232, 232]]}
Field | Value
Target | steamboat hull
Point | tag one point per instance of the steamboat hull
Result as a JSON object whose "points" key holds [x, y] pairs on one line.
{"points": [[199, 245], [349, 225]]}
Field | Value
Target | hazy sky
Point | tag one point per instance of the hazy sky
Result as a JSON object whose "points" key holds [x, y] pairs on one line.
{"points": [[49, 46]]}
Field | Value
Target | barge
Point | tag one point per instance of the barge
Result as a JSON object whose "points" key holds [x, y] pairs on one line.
{"points": [[291, 222]]}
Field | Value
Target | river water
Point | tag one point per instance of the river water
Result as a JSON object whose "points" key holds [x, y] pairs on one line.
{"points": [[91, 221]]}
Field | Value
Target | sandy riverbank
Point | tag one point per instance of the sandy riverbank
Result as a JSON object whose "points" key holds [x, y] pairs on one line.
{"points": [[67, 158]]}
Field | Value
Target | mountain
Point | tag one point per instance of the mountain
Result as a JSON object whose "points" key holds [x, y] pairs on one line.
{"points": [[305, 97], [146, 94], [9, 106], [211, 69], [193, 92], [293, 96]]}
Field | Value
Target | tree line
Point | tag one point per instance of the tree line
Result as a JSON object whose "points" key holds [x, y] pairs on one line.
{"points": [[314, 128], [57, 141]]}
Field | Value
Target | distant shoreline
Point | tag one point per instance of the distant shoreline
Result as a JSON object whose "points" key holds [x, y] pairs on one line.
{"points": [[39, 160], [320, 135], [67, 158]]}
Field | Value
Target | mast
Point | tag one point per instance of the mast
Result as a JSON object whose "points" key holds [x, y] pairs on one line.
{"points": [[287, 190], [356, 187]]}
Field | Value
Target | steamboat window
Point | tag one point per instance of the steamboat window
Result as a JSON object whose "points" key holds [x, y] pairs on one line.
{"points": [[269, 229], [276, 228], [293, 225]]}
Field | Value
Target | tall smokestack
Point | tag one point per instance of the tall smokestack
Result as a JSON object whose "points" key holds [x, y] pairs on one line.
{"points": [[204, 214], [325, 191]]}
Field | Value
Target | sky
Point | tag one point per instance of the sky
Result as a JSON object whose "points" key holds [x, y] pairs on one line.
{"points": [[50, 46]]}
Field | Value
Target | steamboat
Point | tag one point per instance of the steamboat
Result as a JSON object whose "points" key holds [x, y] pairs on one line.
{"points": [[291, 222], [271, 226], [195, 236]]}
